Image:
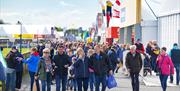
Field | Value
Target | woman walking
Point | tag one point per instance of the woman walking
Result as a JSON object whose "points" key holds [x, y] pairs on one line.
{"points": [[165, 66]]}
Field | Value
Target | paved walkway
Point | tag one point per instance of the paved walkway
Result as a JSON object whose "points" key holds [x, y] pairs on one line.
{"points": [[124, 84]]}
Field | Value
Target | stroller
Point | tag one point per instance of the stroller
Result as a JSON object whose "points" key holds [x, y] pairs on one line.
{"points": [[71, 82], [147, 65]]}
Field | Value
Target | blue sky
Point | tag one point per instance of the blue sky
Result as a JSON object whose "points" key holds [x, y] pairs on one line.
{"points": [[65, 13]]}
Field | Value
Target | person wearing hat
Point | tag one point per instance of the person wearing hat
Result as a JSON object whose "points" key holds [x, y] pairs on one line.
{"points": [[165, 66], [62, 63], [175, 56], [11, 60]]}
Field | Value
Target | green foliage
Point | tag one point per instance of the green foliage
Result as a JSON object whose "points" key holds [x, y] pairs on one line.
{"points": [[72, 31], [58, 29]]}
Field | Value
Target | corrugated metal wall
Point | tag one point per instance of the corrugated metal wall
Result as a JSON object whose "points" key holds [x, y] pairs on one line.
{"points": [[149, 31], [168, 27]]}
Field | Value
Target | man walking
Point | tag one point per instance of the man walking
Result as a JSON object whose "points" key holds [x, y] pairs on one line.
{"points": [[134, 65], [175, 56], [101, 66]]}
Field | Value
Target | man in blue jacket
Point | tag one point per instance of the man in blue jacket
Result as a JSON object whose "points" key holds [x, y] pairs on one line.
{"points": [[175, 56]]}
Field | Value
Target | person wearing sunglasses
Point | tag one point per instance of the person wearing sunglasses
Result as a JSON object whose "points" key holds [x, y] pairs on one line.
{"points": [[45, 70]]}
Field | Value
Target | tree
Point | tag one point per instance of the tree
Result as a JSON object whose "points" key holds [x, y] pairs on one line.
{"points": [[58, 29]]}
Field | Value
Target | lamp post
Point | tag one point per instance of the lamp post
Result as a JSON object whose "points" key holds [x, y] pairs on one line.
{"points": [[20, 35]]}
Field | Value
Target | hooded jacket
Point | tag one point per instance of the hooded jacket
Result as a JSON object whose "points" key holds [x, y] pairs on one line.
{"points": [[32, 62]]}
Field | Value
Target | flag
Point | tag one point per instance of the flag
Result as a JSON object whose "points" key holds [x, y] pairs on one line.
{"points": [[2, 60], [116, 13], [109, 7], [116, 9], [108, 18], [118, 2], [103, 10]]}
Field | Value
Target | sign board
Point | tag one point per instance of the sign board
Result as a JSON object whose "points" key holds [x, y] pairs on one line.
{"points": [[39, 36], [24, 36], [129, 12]]}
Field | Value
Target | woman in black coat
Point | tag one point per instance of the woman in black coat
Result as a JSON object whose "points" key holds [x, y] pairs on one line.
{"points": [[82, 70]]}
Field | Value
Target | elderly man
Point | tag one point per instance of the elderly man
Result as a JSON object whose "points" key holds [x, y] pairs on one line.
{"points": [[134, 65]]}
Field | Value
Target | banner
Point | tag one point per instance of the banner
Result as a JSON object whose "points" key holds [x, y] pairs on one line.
{"points": [[116, 13], [25, 36]]}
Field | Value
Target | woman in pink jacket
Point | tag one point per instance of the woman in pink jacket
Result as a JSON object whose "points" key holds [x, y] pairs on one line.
{"points": [[165, 67]]}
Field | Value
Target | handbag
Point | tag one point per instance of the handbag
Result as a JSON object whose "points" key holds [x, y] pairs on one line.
{"points": [[111, 82]]}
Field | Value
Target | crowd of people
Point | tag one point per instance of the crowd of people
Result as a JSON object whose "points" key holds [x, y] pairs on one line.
{"points": [[80, 66]]}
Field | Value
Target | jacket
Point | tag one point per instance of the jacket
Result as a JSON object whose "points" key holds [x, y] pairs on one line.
{"points": [[140, 47], [60, 61], [82, 68], [113, 58], [175, 56], [19, 66], [100, 65], [11, 60], [32, 62], [42, 69], [134, 63], [165, 64]]}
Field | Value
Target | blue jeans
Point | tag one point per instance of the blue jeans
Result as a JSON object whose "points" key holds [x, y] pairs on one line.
{"points": [[135, 81], [47, 83], [11, 81], [32, 74], [98, 80], [163, 79], [92, 81], [60, 79], [82, 82]]}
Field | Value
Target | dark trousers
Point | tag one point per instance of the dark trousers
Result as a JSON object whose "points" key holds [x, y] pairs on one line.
{"points": [[32, 74], [135, 81], [92, 81], [46, 83], [19, 79], [153, 63], [177, 67], [11, 81], [82, 82], [98, 80], [163, 79], [59, 80]]}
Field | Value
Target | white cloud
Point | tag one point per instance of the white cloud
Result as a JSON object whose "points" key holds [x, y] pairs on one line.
{"points": [[69, 18], [65, 4]]}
